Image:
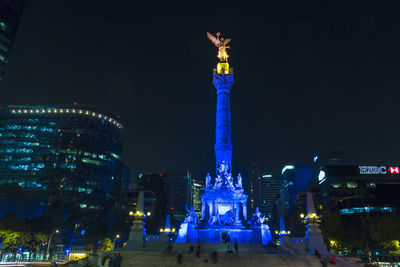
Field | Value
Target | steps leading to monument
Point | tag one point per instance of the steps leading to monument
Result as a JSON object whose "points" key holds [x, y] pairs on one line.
{"points": [[153, 258]]}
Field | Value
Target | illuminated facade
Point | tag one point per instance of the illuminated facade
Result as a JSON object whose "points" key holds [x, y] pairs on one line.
{"points": [[377, 188], [269, 190], [67, 152], [224, 203], [197, 191], [10, 14]]}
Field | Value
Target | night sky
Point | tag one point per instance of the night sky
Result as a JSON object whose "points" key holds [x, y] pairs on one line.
{"points": [[308, 76]]}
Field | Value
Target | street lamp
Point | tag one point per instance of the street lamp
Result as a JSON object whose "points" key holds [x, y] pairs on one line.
{"points": [[115, 239], [48, 243]]}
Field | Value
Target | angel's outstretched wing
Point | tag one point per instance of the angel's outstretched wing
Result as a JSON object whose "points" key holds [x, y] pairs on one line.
{"points": [[226, 41], [213, 39]]}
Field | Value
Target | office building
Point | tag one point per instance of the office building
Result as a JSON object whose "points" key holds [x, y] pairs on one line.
{"points": [[197, 191], [253, 187], [295, 179], [355, 189], [10, 15], [66, 152], [269, 190], [171, 191]]}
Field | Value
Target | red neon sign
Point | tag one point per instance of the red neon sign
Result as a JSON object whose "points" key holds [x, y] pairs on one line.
{"points": [[394, 170]]}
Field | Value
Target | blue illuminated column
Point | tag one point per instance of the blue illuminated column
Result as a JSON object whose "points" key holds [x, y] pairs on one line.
{"points": [[223, 143]]}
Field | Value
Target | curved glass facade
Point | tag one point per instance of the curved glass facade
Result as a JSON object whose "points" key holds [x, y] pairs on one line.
{"points": [[70, 152]]}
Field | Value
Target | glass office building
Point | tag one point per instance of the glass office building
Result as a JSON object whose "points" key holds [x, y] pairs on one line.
{"points": [[67, 152], [10, 14]]}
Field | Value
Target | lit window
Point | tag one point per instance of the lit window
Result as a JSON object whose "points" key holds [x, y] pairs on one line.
{"points": [[352, 185]]}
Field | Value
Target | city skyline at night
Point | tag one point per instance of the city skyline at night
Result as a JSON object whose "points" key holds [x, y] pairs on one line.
{"points": [[311, 77]]}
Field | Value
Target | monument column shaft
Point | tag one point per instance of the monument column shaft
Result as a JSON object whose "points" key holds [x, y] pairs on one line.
{"points": [[223, 142]]}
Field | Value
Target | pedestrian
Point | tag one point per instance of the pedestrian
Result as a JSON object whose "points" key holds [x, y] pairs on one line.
{"points": [[236, 244], [333, 259], [198, 249], [324, 261], [179, 260], [86, 263], [107, 262], [118, 260], [99, 261], [316, 252], [191, 249], [214, 257], [103, 260]]}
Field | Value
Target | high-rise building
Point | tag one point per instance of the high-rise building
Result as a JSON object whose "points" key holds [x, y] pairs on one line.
{"points": [[269, 189], [295, 179], [197, 191], [253, 187], [170, 191], [66, 152], [356, 189], [10, 15], [178, 194]]}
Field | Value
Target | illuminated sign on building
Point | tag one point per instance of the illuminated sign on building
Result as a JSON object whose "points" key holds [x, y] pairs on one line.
{"points": [[394, 170], [372, 170], [321, 176]]}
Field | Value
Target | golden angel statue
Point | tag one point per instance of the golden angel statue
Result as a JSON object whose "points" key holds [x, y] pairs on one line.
{"points": [[221, 43]]}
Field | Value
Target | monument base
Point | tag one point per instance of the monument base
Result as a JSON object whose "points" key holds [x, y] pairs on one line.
{"points": [[315, 240], [136, 235], [221, 234]]}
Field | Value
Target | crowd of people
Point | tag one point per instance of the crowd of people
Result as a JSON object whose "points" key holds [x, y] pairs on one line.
{"points": [[108, 260]]}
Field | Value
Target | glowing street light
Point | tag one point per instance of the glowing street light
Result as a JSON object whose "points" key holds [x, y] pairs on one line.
{"points": [[48, 243], [115, 239]]}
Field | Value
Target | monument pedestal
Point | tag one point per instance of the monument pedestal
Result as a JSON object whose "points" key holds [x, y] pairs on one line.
{"points": [[315, 240], [136, 241]]}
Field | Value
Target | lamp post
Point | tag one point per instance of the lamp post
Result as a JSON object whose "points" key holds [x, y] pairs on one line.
{"points": [[115, 239], [48, 243]]}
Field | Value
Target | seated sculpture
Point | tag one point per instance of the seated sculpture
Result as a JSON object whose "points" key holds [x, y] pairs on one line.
{"points": [[239, 181], [208, 181], [228, 218], [192, 217], [257, 218], [214, 220]]}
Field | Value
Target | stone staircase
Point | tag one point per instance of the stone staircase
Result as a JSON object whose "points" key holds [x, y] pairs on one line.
{"points": [[160, 259], [249, 255]]}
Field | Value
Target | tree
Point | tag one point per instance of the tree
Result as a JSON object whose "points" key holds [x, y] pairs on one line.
{"points": [[106, 245]]}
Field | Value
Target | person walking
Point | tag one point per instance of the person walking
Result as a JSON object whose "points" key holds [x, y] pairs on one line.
{"points": [[179, 260], [236, 244], [100, 261], [107, 262], [118, 260], [214, 257]]}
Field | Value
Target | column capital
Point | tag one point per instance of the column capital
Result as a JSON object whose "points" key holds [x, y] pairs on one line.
{"points": [[223, 82]]}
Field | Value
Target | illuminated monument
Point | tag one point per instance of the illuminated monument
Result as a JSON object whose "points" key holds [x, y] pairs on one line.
{"points": [[224, 210]]}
